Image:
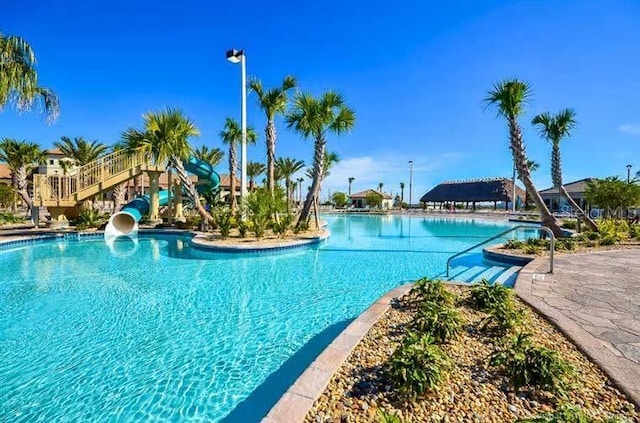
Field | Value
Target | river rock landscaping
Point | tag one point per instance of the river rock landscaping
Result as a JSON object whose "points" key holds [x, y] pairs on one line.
{"points": [[455, 353]]}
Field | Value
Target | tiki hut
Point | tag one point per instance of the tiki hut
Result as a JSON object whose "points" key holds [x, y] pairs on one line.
{"points": [[474, 191]]}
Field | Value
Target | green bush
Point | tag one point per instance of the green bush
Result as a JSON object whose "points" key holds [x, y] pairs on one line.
{"points": [[513, 244], [609, 240], [564, 414], [418, 365], [8, 196], [443, 323], [243, 226], [223, 219], [486, 296], [8, 217], [432, 290], [384, 417], [565, 244], [570, 224], [538, 242], [301, 227], [531, 249], [590, 235], [89, 218], [503, 318], [193, 221], [528, 365], [281, 227]]}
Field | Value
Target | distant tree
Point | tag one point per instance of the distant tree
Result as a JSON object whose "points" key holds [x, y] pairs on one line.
{"points": [[613, 195], [373, 200], [212, 156], [8, 196], [339, 199], [286, 167], [401, 193], [19, 79], [232, 136], [254, 169], [351, 179], [380, 185], [21, 157]]}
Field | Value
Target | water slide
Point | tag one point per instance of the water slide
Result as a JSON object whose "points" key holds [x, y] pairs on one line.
{"points": [[125, 222]]}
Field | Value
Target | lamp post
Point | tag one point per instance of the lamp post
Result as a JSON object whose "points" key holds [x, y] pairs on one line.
{"points": [[628, 173], [238, 56], [410, 181]]}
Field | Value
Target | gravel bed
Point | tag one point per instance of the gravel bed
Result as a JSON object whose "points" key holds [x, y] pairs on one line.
{"points": [[473, 392]]}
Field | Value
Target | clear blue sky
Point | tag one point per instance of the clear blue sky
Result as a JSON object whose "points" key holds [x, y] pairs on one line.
{"points": [[415, 71]]}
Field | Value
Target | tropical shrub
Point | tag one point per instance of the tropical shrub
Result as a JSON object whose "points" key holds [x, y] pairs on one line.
{"points": [[531, 249], [528, 365], [89, 218], [590, 235], [8, 217], [503, 318], [442, 322], [566, 244], [486, 296], [301, 227], [570, 224], [609, 240], [513, 244], [612, 195], [432, 290], [223, 218], [339, 199], [8, 196], [243, 226], [417, 365], [384, 417], [280, 227]]}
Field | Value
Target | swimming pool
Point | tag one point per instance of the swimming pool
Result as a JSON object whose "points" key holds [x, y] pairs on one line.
{"points": [[163, 331]]}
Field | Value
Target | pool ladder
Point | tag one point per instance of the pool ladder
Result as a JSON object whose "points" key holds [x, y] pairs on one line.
{"points": [[501, 234]]}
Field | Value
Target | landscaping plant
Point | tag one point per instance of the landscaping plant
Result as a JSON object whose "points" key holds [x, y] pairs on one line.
{"points": [[441, 321], [223, 219], [418, 365], [89, 218], [486, 296], [432, 290]]}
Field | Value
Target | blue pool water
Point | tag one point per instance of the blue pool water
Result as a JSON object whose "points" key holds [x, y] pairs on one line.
{"points": [[162, 331]]}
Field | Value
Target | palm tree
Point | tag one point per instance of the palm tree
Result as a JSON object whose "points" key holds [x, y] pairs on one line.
{"points": [[21, 157], [232, 136], [273, 102], [19, 79], [81, 151], [509, 97], [380, 185], [254, 169], [554, 128], [351, 179], [165, 139], [286, 167], [315, 118], [401, 194], [300, 180], [212, 156], [533, 166]]}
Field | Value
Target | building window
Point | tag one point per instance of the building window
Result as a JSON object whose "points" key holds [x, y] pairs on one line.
{"points": [[51, 161]]}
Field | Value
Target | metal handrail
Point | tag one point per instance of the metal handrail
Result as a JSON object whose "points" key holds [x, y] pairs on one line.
{"points": [[501, 234]]}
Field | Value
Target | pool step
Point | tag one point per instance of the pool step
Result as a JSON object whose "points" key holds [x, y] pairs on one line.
{"points": [[494, 274]]}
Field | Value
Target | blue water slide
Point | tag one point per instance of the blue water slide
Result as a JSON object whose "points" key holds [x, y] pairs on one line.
{"points": [[126, 220]]}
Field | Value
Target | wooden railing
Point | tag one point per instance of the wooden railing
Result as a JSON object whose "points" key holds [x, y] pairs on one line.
{"points": [[65, 188]]}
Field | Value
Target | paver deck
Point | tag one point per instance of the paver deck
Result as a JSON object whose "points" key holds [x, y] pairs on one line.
{"points": [[594, 298]]}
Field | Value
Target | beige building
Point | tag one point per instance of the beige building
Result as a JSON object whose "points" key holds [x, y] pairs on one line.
{"points": [[359, 199], [54, 163], [5, 174]]}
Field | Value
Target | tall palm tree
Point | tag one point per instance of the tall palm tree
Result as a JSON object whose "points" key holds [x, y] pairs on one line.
{"points": [[212, 156], [401, 193], [81, 151], [315, 118], [286, 167], [254, 169], [232, 136], [509, 97], [533, 166], [300, 180], [165, 139], [554, 128], [380, 185], [351, 179], [19, 79], [21, 157], [272, 101]]}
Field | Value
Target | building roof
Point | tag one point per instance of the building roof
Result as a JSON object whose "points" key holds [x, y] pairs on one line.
{"points": [[368, 192], [225, 181], [5, 172], [575, 187], [54, 152], [489, 189]]}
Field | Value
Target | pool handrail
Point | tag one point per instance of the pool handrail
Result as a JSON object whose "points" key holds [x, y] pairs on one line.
{"points": [[501, 234]]}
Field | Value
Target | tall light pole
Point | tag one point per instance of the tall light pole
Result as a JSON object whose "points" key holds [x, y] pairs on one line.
{"points": [[628, 173], [410, 181], [238, 56]]}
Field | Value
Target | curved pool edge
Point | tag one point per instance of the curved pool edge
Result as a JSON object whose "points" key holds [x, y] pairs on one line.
{"points": [[298, 400], [491, 253], [199, 242]]}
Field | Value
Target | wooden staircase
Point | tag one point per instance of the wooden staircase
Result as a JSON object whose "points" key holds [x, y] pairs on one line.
{"points": [[66, 191]]}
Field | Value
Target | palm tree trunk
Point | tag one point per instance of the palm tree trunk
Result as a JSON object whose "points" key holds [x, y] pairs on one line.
{"points": [[233, 203], [318, 165], [190, 189], [287, 184], [118, 196], [271, 154], [21, 184], [587, 220], [520, 159]]}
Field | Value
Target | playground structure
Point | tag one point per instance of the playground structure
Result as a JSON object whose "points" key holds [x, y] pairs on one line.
{"points": [[63, 194]]}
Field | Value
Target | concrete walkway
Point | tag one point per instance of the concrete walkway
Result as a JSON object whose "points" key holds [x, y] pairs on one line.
{"points": [[594, 298]]}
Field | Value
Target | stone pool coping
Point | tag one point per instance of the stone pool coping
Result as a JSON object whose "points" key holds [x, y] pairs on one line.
{"points": [[294, 405], [200, 241], [615, 368]]}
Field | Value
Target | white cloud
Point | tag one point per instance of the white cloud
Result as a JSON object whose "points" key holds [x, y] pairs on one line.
{"points": [[630, 128]]}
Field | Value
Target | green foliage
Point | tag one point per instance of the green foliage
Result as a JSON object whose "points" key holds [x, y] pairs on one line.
{"points": [[8, 196], [418, 365], [302, 226], [281, 227], [538, 242], [612, 194], [384, 417], [608, 240], [89, 218], [223, 219], [193, 221], [503, 318], [443, 323], [513, 244], [565, 244], [260, 206], [590, 235], [528, 365], [339, 199], [570, 224], [8, 217], [373, 200], [486, 296], [564, 414], [432, 290], [531, 249], [243, 226]]}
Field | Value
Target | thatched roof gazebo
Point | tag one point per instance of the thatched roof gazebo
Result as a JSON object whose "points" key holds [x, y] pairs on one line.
{"points": [[474, 191]]}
